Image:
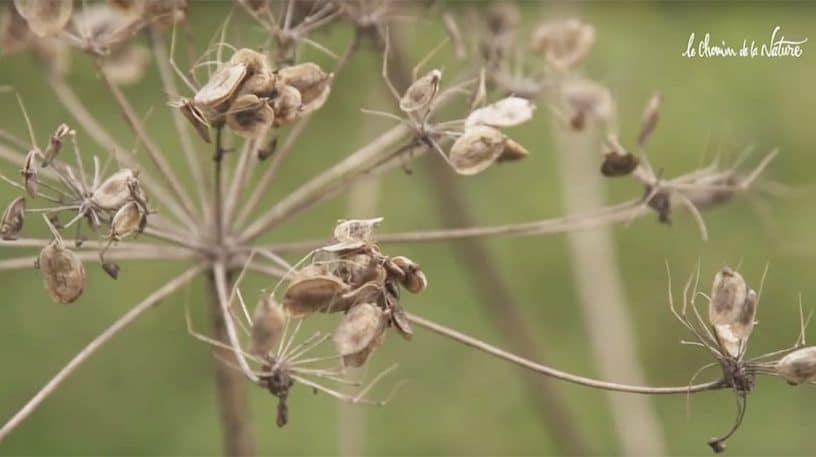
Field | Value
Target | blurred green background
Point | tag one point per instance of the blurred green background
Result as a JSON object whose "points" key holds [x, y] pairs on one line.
{"points": [[151, 391]]}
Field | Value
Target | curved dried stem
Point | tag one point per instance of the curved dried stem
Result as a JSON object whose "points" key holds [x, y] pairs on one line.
{"points": [[121, 323]]}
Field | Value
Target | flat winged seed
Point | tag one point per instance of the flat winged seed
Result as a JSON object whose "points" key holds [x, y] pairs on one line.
{"points": [[196, 118], [45, 17], [254, 61], [267, 325], [63, 272], [30, 173], [476, 150], [249, 116], [130, 218], [311, 81], [401, 322], [115, 191], [12, 222], [287, 105], [359, 333], [728, 294], [799, 366], [414, 280], [306, 295], [421, 93], [55, 144], [220, 88], [512, 151], [508, 112]]}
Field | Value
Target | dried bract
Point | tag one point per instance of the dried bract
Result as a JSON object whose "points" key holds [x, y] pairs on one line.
{"points": [[13, 217], [799, 366], [63, 272], [421, 93], [45, 17], [476, 150], [564, 43], [267, 325], [508, 112], [360, 332]]}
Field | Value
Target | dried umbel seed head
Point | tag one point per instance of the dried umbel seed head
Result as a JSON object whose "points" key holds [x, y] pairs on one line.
{"points": [[651, 114], [13, 217], [267, 326], [799, 366], [195, 117], [732, 311], [62, 271], [249, 116], [55, 144], [414, 279], [130, 218], [421, 93], [287, 105], [360, 332], [314, 290], [565, 43], [45, 17], [30, 172], [585, 101], [476, 150], [116, 190], [507, 112]]}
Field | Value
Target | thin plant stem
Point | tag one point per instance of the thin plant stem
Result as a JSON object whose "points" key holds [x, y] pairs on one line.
{"points": [[128, 318]]}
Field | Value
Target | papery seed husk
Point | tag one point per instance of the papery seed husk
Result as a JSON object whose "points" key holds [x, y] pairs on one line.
{"points": [[263, 84], [222, 85], [799, 366], [254, 61], [359, 333], [62, 271], [130, 218], [13, 217], [357, 269], [311, 81], [196, 119], [414, 280], [651, 114], [356, 229], [55, 144], [400, 319], [286, 105], [421, 93], [30, 173], [115, 191], [507, 112], [476, 150], [512, 151], [249, 116], [45, 17], [311, 294], [267, 326], [728, 294]]}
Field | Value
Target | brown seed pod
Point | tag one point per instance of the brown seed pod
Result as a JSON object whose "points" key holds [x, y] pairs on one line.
{"points": [[249, 116], [13, 217], [130, 218], [195, 117], [62, 271], [287, 105], [414, 280], [507, 112], [512, 151], [263, 84], [357, 269], [360, 332], [732, 311], [311, 292], [476, 150], [223, 84], [311, 81], [254, 61], [55, 144], [116, 190], [267, 326], [421, 93], [45, 17], [799, 366], [564, 43], [30, 172]]}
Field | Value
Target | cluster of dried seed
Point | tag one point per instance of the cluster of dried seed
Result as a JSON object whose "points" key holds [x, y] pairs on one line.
{"points": [[249, 96], [352, 276]]}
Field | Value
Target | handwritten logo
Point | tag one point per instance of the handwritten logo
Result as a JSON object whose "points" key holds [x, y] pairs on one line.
{"points": [[777, 47]]}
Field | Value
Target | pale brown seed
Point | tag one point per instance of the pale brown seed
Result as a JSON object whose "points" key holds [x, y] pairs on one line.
{"points": [[55, 144], [400, 318], [359, 333], [263, 84], [105, 27], [116, 190], [63, 272], [130, 218], [421, 93], [476, 150], [195, 117], [507, 112], [651, 114], [732, 311], [222, 85], [13, 217], [799, 366], [267, 325], [311, 81], [254, 61], [512, 151], [30, 173], [249, 116], [45, 17], [414, 280], [287, 105], [313, 292]]}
